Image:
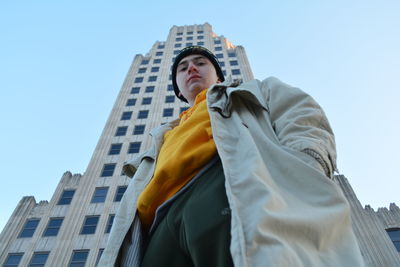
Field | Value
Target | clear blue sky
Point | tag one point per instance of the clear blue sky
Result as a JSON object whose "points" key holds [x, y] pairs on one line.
{"points": [[62, 64]]}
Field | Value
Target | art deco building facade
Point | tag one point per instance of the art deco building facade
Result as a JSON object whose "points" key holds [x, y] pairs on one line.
{"points": [[72, 228]]}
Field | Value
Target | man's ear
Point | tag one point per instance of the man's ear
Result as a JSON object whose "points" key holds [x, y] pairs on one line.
{"points": [[180, 94]]}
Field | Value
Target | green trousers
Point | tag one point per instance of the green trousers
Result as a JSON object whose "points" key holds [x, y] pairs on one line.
{"points": [[196, 229]]}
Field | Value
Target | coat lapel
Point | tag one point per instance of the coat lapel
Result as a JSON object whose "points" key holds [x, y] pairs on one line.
{"points": [[219, 96]]}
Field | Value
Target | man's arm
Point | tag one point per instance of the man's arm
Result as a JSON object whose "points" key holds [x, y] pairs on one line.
{"points": [[300, 123]]}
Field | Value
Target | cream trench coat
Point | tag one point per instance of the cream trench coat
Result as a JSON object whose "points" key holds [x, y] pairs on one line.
{"points": [[278, 154]]}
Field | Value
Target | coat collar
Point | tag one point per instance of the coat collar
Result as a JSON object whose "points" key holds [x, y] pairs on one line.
{"points": [[219, 96]]}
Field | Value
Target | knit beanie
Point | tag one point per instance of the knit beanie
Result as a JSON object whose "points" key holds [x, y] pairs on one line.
{"points": [[194, 50]]}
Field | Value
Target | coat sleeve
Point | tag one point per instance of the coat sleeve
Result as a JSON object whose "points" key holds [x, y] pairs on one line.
{"points": [[300, 123]]}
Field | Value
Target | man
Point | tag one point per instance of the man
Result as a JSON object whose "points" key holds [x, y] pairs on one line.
{"points": [[243, 178]]}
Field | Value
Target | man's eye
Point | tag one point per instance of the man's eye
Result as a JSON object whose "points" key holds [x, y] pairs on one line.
{"points": [[182, 69]]}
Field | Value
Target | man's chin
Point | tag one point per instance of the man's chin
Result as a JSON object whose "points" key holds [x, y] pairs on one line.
{"points": [[196, 88]]}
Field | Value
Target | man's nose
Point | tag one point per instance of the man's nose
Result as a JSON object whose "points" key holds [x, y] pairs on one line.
{"points": [[192, 67]]}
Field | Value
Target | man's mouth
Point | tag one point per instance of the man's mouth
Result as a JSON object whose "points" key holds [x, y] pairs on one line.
{"points": [[193, 77]]}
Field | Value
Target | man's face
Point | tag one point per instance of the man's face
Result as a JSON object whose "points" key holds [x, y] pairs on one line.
{"points": [[194, 74]]}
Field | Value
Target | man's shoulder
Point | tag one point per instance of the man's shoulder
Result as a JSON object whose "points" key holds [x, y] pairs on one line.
{"points": [[269, 83]]}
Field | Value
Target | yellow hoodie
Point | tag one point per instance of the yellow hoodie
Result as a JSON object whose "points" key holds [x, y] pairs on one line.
{"points": [[186, 149]]}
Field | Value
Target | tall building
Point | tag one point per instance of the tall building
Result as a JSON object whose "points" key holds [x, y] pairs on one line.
{"points": [[72, 229]]}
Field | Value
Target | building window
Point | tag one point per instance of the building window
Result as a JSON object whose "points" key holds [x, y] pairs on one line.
{"points": [[143, 114], [139, 129], [66, 197], [177, 45], [90, 224], [183, 109], [218, 48], [130, 102], [109, 223], [170, 87], [13, 259], [138, 80], [179, 33], [200, 32], [53, 227], [121, 131], [157, 60], [394, 234], [152, 78], [236, 72], [142, 70], [115, 149], [120, 192], [216, 41], [108, 170], [78, 258], [219, 55], [231, 54], [222, 63], [224, 72], [29, 228], [126, 115], [178, 39], [146, 101], [39, 259], [135, 90], [99, 255], [149, 89], [189, 38], [155, 69], [176, 52], [189, 44], [134, 147], [144, 62], [159, 53], [189, 32], [161, 46], [170, 99], [233, 63], [200, 43], [200, 37], [100, 194], [168, 112]]}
